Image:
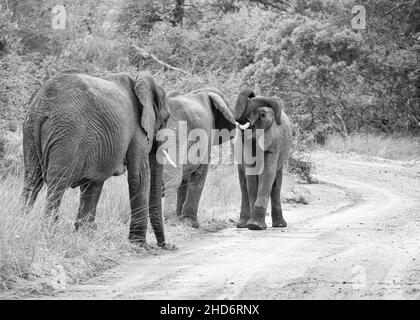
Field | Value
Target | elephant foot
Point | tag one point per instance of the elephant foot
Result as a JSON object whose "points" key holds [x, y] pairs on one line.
{"points": [[242, 223], [138, 241], [191, 221], [256, 224], [277, 218], [86, 225], [143, 247], [279, 222], [167, 246]]}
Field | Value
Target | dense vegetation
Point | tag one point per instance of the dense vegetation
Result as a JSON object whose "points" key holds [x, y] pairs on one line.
{"points": [[332, 77]]}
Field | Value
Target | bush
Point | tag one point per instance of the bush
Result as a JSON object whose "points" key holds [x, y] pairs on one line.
{"points": [[300, 165], [95, 54], [223, 44], [332, 75], [393, 147]]}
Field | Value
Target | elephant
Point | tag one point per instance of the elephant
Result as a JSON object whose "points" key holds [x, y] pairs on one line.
{"points": [[80, 130], [204, 109], [265, 114]]}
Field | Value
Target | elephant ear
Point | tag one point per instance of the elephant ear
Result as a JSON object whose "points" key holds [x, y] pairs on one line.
{"points": [[272, 139], [242, 103], [153, 103], [276, 106], [222, 114], [272, 135]]}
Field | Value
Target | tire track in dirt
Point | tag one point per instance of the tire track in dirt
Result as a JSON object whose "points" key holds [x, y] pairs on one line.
{"points": [[358, 239]]}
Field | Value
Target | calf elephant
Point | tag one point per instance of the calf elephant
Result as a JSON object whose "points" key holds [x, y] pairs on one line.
{"points": [[265, 114], [204, 109], [80, 130]]}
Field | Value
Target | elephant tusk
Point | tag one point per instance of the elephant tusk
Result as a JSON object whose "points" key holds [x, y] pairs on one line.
{"points": [[244, 126], [261, 142], [236, 137], [165, 153]]}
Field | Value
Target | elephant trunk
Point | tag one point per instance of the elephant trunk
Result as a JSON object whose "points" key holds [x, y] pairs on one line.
{"points": [[242, 103], [155, 201]]}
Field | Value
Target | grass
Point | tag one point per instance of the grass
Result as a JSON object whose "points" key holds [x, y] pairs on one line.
{"points": [[392, 147], [36, 258], [33, 254]]}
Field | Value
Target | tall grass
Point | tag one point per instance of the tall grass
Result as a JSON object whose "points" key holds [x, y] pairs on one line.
{"points": [[36, 256], [378, 145], [33, 253]]}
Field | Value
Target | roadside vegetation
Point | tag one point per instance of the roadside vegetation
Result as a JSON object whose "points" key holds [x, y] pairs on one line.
{"points": [[394, 147], [344, 89]]}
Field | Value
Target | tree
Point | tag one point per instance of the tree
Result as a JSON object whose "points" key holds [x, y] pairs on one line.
{"points": [[178, 12]]}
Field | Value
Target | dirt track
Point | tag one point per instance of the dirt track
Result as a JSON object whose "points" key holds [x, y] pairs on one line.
{"points": [[359, 238]]}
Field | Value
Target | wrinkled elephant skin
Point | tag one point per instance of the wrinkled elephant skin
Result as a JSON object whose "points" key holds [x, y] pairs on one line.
{"points": [[257, 188], [80, 130]]}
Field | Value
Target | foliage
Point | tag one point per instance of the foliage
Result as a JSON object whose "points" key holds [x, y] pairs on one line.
{"points": [[224, 44], [8, 31], [300, 164], [333, 78], [395, 146]]}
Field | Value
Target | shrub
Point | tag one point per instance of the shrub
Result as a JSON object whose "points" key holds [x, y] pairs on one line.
{"points": [[223, 44], [332, 75], [393, 147], [300, 165]]}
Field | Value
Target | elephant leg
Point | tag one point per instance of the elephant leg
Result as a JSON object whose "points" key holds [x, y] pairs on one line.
{"points": [[276, 211], [265, 184], [89, 197], [245, 212], [32, 186], [181, 195], [139, 190], [172, 179], [155, 201], [195, 189], [55, 194], [252, 191]]}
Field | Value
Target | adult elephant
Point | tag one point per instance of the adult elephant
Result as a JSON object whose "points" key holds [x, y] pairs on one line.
{"points": [[80, 130], [257, 186], [202, 111]]}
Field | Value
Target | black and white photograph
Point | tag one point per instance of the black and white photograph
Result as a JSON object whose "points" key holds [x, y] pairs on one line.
{"points": [[209, 155]]}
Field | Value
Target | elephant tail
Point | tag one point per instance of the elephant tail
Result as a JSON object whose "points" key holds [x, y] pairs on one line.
{"points": [[34, 175], [38, 144]]}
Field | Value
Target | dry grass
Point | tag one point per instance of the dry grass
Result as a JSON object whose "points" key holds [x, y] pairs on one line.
{"points": [[376, 145], [39, 259]]}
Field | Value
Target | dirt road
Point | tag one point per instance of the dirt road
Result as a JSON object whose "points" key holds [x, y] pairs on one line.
{"points": [[358, 238]]}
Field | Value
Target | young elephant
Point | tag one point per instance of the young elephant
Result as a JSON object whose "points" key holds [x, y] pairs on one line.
{"points": [[265, 114], [80, 130], [204, 109]]}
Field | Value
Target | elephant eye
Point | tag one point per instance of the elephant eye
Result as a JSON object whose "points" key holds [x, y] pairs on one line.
{"points": [[263, 115]]}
